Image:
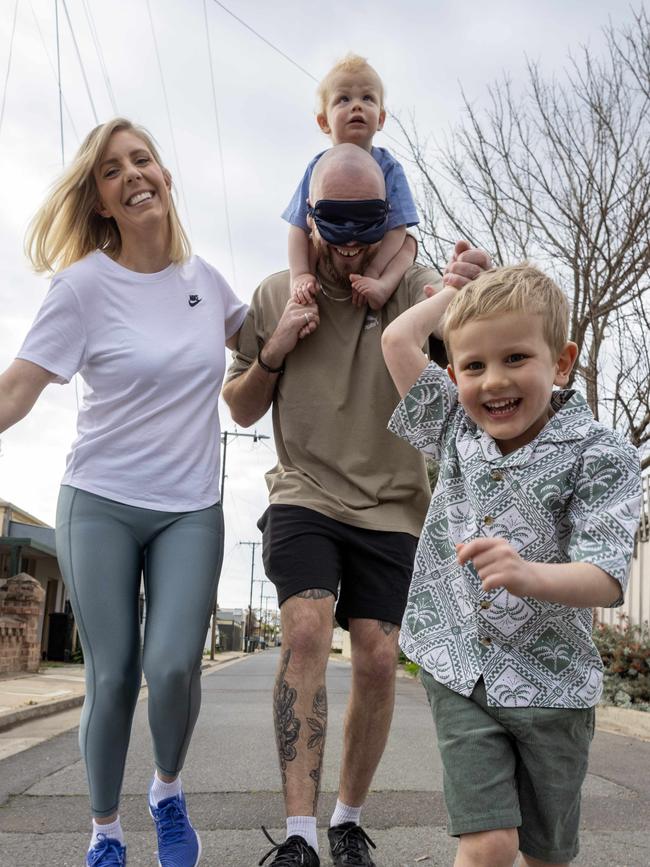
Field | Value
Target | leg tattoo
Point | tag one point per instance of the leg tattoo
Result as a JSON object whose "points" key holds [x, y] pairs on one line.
{"points": [[287, 725], [387, 627], [318, 727], [316, 593]]}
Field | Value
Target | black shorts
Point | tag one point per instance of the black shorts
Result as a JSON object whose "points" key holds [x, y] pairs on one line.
{"points": [[368, 570]]}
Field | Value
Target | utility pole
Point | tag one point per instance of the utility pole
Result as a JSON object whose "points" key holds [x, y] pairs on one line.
{"points": [[249, 628], [262, 583], [266, 614], [224, 439]]}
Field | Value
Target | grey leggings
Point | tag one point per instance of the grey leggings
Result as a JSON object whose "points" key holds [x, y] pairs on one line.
{"points": [[103, 547]]}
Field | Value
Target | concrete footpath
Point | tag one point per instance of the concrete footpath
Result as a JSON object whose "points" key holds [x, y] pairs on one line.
{"points": [[232, 783]]}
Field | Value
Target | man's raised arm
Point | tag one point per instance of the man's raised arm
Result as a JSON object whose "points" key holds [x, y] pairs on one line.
{"points": [[250, 394]]}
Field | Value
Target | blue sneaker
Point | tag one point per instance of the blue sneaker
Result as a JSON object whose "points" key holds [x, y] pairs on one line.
{"points": [[107, 853], [178, 843]]}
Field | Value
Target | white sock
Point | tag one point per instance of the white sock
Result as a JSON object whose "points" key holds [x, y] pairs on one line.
{"points": [[161, 790], [305, 827], [112, 830], [343, 813]]}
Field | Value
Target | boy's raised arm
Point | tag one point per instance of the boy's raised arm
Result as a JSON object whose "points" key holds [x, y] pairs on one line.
{"points": [[403, 339], [578, 584]]}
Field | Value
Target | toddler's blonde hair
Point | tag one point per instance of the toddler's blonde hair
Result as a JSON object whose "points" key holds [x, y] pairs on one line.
{"points": [[349, 63]]}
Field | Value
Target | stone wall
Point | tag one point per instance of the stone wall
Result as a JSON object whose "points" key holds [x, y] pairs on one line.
{"points": [[21, 602]]}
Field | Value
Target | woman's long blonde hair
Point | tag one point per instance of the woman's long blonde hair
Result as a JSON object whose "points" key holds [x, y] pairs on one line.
{"points": [[67, 226]]}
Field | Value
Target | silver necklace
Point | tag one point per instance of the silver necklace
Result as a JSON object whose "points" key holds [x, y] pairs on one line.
{"points": [[333, 297]]}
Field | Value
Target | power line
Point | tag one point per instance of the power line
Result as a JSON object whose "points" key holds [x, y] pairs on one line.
{"points": [[53, 70], [169, 117], [100, 54], [267, 41], [11, 48], [81, 63], [221, 160], [58, 66]]}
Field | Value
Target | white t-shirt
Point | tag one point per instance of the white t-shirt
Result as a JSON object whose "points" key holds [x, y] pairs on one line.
{"points": [[150, 349]]}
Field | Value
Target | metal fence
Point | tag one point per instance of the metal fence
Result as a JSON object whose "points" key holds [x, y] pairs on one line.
{"points": [[637, 599]]}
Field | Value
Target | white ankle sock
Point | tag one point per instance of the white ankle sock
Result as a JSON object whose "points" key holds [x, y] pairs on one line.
{"points": [[112, 830], [305, 827], [342, 813], [161, 790]]}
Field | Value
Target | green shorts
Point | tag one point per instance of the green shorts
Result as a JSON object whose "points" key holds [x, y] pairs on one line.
{"points": [[512, 768]]}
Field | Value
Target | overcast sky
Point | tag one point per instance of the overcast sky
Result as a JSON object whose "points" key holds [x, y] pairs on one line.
{"points": [[423, 49]]}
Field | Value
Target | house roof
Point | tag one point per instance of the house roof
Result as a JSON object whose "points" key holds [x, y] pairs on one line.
{"points": [[12, 507], [38, 538]]}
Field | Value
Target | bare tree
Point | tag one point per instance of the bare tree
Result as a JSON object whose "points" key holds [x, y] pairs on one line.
{"points": [[559, 172], [628, 395]]}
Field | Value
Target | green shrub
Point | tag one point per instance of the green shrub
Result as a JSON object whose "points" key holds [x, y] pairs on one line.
{"points": [[625, 651], [411, 667]]}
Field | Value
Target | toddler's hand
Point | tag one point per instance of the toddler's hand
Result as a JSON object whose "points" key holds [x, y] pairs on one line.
{"points": [[304, 289]]}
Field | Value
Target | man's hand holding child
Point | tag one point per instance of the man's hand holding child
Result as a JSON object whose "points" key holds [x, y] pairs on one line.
{"points": [[465, 265]]}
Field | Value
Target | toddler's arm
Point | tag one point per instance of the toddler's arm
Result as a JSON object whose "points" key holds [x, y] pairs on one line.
{"points": [[403, 339], [302, 279], [578, 584], [395, 254]]}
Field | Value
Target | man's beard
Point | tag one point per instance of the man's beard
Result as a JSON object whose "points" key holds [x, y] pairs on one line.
{"points": [[334, 268]]}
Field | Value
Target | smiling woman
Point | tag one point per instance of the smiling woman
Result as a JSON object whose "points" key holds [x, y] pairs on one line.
{"points": [[133, 189], [145, 324], [70, 223]]}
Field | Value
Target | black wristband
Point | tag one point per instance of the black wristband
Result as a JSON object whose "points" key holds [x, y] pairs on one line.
{"points": [[266, 367]]}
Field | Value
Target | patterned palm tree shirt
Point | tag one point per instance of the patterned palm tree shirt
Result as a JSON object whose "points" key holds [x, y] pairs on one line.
{"points": [[571, 494]]}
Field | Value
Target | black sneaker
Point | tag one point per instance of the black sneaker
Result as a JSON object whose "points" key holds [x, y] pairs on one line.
{"points": [[349, 846], [294, 852]]}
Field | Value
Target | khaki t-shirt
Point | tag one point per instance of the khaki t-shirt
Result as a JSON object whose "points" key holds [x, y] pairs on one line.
{"points": [[331, 407]]}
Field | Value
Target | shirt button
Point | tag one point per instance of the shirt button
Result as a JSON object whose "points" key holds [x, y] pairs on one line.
{"points": [[486, 641], [485, 603], [488, 519], [496, 475]]}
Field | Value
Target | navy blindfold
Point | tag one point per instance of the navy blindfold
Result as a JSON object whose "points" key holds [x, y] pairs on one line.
{"points": [[340, 221]]}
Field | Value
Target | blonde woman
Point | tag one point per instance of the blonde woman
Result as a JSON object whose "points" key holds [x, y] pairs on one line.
{"points": [[145, 324]]}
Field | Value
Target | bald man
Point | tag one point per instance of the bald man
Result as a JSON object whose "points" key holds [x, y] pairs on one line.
{"points": [[347, 498]]}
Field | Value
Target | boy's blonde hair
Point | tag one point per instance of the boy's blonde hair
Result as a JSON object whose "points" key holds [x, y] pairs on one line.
{"points": [[516, 289], [350, 63], [67, 226]]}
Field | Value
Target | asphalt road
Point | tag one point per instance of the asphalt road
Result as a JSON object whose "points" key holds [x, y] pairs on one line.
{"points": [[232, 782]]}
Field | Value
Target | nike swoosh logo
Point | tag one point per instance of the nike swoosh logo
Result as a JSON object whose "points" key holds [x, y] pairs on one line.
{"points": [[194, 303]]}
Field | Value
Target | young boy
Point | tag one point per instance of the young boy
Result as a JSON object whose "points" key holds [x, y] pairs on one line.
{"points": [[351, 110], [531, 524]]}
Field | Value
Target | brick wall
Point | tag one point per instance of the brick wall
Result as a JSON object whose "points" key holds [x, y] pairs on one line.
{"points": [[21, 602]]}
